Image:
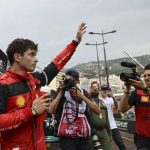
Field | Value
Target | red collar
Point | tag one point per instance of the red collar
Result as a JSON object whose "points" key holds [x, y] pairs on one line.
{"points": [[32, 81]]}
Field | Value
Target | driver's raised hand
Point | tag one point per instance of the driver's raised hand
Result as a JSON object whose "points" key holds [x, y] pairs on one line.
{"points": [[81, 30]]}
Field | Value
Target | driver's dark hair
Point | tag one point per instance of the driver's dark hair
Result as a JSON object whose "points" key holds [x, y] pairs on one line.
{"points": [[19, 46], [147, 67]]}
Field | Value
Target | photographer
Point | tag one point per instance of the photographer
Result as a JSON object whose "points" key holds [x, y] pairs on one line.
{"points": [[140, 99], [23, 106], [70, 107]]}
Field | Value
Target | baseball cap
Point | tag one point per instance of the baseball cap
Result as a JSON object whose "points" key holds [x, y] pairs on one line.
{"points": [[72, 73], [105, 88]]}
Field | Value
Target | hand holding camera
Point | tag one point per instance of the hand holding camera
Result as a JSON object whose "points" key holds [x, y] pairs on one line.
{"points": [[138, 84], [76, 94]]}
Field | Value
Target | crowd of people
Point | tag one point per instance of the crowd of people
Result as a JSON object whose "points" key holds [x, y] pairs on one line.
{"points": [[84, 119]]}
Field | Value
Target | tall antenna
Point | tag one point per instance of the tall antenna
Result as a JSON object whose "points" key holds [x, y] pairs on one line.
{"points": [[134, 59]]}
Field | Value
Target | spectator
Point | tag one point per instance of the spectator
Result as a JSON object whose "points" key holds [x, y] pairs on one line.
{"points": [[109, 102], [100, 123]]}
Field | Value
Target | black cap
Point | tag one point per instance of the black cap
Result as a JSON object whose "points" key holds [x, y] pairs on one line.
{"points": [[72, 73], [105, 88]]}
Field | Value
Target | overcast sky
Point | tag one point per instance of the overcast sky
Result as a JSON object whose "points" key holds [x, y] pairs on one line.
{"points": [[53, 23]]}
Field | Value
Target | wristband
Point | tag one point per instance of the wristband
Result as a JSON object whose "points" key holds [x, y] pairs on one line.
{"points": [[78, 39], [34, 111]]}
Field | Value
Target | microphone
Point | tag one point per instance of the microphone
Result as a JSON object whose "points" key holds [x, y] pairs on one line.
{"points": [[128, 64], [46, 78]]}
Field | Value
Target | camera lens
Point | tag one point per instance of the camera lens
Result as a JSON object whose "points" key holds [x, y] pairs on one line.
{"points": [[68, 84], [124, 77]]}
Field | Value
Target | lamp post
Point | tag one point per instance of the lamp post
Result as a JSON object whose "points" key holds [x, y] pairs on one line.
{"points": [[102, 34], [97, 58]]}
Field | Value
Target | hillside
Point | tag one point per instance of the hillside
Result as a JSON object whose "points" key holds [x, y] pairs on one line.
{"points": [[90, 69]]}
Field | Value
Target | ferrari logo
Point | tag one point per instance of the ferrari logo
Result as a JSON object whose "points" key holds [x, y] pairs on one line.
{"points": [[21, 101]]}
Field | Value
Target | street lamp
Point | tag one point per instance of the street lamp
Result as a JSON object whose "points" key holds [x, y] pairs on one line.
{"points": [[106, 68], [97, 57]]}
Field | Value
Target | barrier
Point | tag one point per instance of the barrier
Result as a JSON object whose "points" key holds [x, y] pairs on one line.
{"points": [[52, 143], [126, 125]]}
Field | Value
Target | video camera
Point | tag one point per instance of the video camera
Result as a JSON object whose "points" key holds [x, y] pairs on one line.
{"points": [[126, 76]]}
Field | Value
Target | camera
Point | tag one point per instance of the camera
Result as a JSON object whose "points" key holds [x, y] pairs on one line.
{"points": [[68, 83], [133, 75]]}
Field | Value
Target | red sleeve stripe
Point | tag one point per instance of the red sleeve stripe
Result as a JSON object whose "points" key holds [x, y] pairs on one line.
{"points": [[64, 56]]}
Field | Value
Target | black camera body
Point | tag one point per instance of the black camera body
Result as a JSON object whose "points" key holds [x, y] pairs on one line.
{"points": [[126, 76], [68, 83]]}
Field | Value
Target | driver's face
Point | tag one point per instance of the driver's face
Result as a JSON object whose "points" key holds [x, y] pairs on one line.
{"points": [[28, 60]]}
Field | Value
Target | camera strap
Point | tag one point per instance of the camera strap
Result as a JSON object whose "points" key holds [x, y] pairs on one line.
{"points": [[76, 115], [76, 109], [76, 112]]}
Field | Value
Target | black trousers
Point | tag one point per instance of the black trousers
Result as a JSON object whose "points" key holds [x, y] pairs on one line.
{"points": [[118, 139], [141, 142], [75, 144]]}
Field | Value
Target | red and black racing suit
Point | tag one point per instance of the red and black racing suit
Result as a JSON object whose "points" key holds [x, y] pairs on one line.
{"points": [[18, 127], [141, 102]]}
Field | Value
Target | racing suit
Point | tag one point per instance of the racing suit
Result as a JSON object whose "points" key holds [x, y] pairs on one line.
{"points": [[19, 128], [141, 102]]}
